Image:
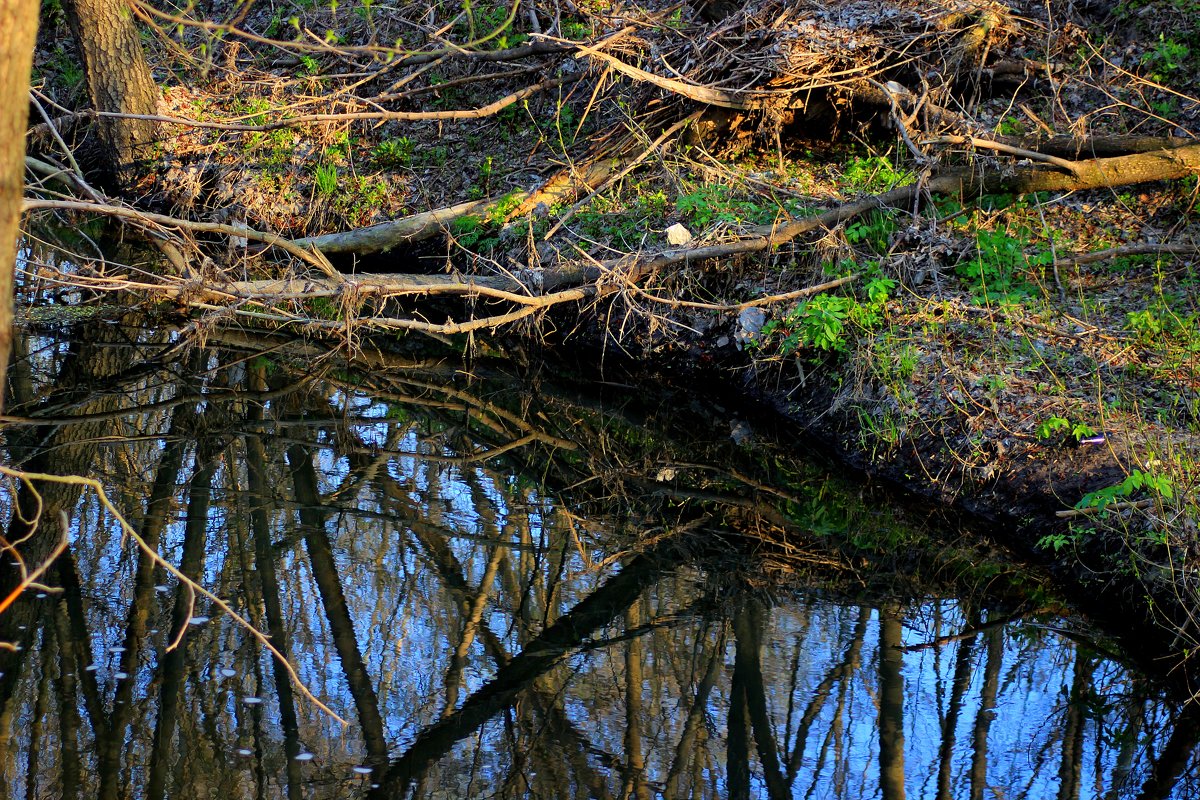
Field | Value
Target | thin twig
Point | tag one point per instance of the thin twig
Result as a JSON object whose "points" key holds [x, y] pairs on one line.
{"points": [[1145, 249], [29, 579], [1007, 149], [152, 554], [759, 301], [308, 257], [630, 167], [479, 112]]}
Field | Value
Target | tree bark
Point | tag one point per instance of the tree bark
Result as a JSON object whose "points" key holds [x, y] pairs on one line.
{"points": [[119, 81], [891, 703], [18, 20]]}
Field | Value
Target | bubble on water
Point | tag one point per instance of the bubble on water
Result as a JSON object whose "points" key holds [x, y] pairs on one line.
{"points": [[116, 649], [92, 667], [241, 751], [251, 701], [40, 595], [228, 673], [305, 756], [363, 770], [198, 620], [121, 676], [162, 588]]}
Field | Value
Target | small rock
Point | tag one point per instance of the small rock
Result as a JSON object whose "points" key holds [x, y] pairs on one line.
{"points": [[740, 431], [750, 322], [752, 319], [677, 234]]}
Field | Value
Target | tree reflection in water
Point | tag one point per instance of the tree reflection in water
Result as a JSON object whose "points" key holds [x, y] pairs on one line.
{"points": [[514, 587]]}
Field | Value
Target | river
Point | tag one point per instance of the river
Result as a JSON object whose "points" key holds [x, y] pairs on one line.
{"points": [[504, 580]]}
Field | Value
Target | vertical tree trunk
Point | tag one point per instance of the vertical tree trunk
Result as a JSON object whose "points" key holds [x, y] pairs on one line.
{"points": [[891, 703], [1071, 766], [18, 21], [195, 538], [118, 79], [958, 690], [986, 713], [333, 599], [636, 785]]}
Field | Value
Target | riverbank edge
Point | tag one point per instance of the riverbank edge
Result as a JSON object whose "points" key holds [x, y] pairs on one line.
{"points": [[1017, 509]]}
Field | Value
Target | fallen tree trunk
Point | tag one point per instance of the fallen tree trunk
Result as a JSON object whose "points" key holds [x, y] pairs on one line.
{"points": [[532, 291], [560, 188], [164, 222], [1061, 175], [1096, 173], [1068, 146], [386, 235]]}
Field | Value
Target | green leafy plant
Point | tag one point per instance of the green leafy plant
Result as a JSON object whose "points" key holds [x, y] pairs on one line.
{"points": [[1000, 268], [470, 230], [874, 230], [1166, 323], [325, 177], [394, 152], [70, 70], [820, 323], [872, 175], [869, 313], [484, 182], [1147, 324], [499, 212], [717, 203], [324, 308], [1011, 126], [1137, 481], [1054, 426], [340, 149], [437, 156], [1058, 541], [1165, 57], [475, 232], [575, 30], [653, 204]]}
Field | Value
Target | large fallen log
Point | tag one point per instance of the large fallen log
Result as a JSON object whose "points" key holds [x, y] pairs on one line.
{"points": [[380, 238], [386, 235], [1057, 174], [532, 291]]}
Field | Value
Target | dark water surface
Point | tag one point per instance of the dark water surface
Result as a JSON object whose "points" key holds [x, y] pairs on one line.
{"points": [[511, 585]]}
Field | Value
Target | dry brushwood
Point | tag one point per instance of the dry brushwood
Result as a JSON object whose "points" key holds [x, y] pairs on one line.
{"points": [[574, 280], [758, 72]]}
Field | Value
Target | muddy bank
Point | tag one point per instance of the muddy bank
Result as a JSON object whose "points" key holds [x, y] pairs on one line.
{"points": [[1018, 506]]}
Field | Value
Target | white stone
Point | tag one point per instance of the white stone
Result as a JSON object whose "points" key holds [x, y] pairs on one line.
{"points": [[677, 234]]}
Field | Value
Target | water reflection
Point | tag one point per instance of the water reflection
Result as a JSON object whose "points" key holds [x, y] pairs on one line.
{"points": [[510, 587]]}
